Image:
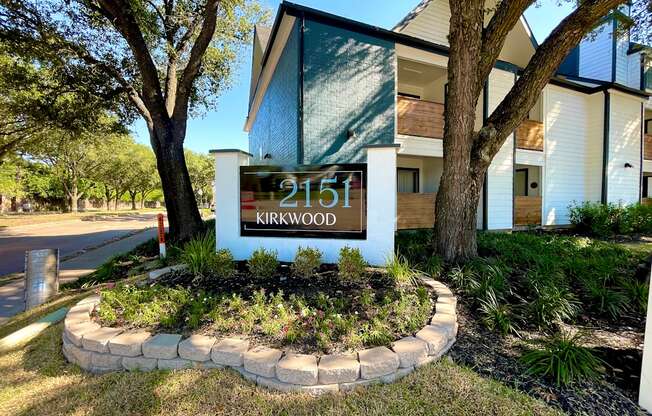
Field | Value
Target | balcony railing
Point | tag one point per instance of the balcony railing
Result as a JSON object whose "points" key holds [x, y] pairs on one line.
{"points": [[527, 210], [420, 118], [529, 135], [415, 211], [647, 147], [426, 119]]}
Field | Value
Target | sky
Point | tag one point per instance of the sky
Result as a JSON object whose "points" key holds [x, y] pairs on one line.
{"points": [[223, 128]]}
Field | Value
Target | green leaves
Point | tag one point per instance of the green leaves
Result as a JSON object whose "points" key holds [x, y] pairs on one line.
{"points": [[563, 358]]}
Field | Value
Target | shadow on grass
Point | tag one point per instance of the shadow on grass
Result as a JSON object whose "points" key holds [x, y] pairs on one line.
{"points": [[38, 380]]}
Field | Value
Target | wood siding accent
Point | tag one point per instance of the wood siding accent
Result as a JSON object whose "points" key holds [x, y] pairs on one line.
{"points": [[529, 135], [415, 210], [647, 147], [420, 118], [527, 210]]}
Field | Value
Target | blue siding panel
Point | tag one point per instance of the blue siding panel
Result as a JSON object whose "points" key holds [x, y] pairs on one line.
{"points": [[348, 85], [275, 130]]}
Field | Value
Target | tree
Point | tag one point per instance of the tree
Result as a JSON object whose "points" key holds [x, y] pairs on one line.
{"points": [[474, 50], [142, 177], [38, 94], [76, 157], [168, 58], [202, 174]]}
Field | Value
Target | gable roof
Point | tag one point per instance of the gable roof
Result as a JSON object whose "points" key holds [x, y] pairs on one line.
{"points": [[423, 5]]}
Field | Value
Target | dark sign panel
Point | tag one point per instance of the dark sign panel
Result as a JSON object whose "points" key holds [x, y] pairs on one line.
{"points": [[324, 201]]}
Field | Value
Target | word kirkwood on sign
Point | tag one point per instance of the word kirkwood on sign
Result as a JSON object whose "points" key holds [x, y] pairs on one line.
{"points": [[324, 201]]}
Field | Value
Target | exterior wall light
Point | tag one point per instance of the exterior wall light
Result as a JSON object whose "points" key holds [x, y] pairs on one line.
{"points": [[351, 134], [628, 165], [267, 156]]}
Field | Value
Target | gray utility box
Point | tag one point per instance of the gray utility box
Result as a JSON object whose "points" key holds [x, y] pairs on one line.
{"points": [[41, 276]]}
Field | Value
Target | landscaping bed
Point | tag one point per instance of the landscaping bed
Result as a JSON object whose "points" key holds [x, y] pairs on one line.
{"points": [[320, 311], [558, 315]]}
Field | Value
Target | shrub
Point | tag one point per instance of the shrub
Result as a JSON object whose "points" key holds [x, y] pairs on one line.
{"points": [[552, 304], [603, 299], [564, 359], [224, 265], [263, 263], [497, 317], [400, 271], [351, 265], [638, 293], [306, 261], [434, 266], [199, 254], [604, 220]]}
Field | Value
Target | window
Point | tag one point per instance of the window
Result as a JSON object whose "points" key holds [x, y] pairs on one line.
{"points": [[407, 180], [522, 181], [405, 94]]}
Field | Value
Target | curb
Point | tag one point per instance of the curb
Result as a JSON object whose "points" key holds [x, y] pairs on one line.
{"points": [[101, 350]]}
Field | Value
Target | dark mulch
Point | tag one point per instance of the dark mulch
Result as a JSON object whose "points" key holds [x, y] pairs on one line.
{"points": [[497, 357], [326, 281]]}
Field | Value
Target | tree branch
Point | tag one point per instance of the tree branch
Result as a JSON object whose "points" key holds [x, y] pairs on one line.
{"points": [[125, 22], [194, 63], [543, 65], [494, 35]]}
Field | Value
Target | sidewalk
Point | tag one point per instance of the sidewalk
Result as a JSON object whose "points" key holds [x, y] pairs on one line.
{"points": [[11, 294]]}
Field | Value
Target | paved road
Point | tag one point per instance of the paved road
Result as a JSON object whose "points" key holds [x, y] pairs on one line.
{"points": [[12, 295], [69, 236]]}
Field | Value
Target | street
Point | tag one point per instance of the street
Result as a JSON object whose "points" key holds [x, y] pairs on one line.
{"points": [[68, 236]]}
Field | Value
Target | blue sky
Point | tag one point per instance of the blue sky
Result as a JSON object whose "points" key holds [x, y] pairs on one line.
{"points": [[222, 128]]}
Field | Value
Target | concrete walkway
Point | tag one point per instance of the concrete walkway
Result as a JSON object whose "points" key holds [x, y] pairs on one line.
{"points": [[11, 294]]}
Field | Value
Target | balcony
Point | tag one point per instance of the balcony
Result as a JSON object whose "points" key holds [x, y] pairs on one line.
{"points": [[426, 119], [415, 211], [529, 135], [527, 210], [420, 118], [647, 147]]}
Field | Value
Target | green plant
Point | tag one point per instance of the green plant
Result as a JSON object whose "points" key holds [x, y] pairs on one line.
{"points": [[603, 299], [401, 272], [434, 266], [496, 316], [263, 263], [223, 265], [604, 220], [306, 261], [638, 293], [552, 304], [199, 254], [351, 265], [563, 358]]}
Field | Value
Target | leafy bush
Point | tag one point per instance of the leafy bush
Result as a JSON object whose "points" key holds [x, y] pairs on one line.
{"points": [[564, 359], [604, 220], [224, 265], [199, 254], [497, 317], [552, 304], [306, 261], [351, 265], [638, 293], [604, 299], [400, 271], [263, 263]]}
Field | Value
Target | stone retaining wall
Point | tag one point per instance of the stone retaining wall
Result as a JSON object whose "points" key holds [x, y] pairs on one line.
{"points": [[99, 350]]}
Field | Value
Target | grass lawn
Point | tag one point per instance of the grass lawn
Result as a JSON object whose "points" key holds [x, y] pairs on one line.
{"points": [[37, 380]]}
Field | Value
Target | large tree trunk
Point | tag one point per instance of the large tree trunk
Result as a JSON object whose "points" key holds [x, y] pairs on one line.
{"points": [[183, 216], [74, 197], [460, 186], [132, 195]]}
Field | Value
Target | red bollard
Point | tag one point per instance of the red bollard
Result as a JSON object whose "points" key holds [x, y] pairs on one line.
{"points": [[161, 235]]}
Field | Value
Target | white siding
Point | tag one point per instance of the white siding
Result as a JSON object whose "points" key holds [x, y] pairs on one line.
{"points": [[431, 24], [596, 54], [573, 151], [624, 147], [634, 70], [500, 179], [622, 61]]}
